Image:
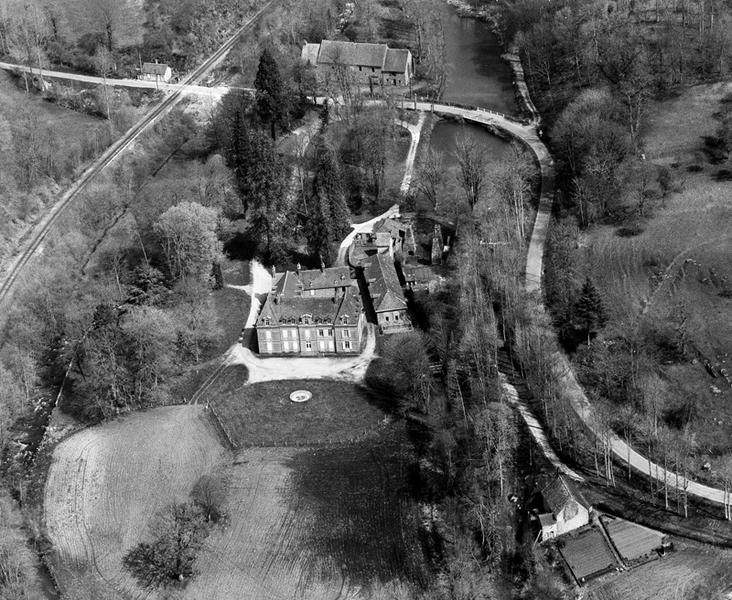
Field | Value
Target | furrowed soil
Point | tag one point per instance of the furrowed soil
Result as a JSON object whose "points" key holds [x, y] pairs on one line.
{"points": [[305, 523], [106, 482], [669, 578], [314, 524]]}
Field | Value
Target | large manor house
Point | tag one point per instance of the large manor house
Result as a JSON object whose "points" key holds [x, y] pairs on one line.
{"points": [[326, 310]]}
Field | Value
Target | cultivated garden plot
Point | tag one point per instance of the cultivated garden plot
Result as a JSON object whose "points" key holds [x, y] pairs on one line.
{"points": [[106, 483], [668, 578]]}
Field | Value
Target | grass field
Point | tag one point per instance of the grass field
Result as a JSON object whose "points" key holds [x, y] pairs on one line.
{"points": [[674, 127], [262, 414], [313, 524], [669, 578], [106, 482], [679, 264]]}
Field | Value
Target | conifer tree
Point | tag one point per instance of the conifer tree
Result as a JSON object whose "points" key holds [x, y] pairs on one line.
{"points": [[271, 101], [589, 312], [329, 221]]}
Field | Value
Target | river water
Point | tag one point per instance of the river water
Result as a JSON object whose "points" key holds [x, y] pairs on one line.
{"points": [[477, 75]]}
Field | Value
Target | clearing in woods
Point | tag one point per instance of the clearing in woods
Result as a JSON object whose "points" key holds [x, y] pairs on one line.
{"points": [[675, 268]]}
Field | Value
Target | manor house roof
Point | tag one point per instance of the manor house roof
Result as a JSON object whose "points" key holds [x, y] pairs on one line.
{"points": [[305, 292]]}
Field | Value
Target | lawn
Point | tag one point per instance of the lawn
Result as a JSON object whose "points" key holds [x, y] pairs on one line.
{"points": [[262, 414]]}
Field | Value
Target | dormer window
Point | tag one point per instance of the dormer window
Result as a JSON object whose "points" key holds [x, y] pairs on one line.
{"points": [[344, 319], [305, 319], [267, 321]]}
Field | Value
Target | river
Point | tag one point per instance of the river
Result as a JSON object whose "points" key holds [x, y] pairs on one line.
{"points": [[477, 75]]}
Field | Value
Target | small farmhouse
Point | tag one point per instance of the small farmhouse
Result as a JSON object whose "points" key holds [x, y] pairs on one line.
{"points": [[369, 63], [568, 510], [311, 312], [156, 72]]}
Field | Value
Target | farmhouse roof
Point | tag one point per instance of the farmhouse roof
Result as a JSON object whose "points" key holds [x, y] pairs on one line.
{"points": [[561, 492], [310, 53], [384, 288], [154, 68], [396, 60], [352, 53]]}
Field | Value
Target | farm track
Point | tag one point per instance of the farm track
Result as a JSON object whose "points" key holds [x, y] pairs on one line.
{"points": [[41, 230], [673, 265]]}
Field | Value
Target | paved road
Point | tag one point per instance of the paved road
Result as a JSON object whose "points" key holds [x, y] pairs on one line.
{"points": [[416, 132], [533, 282], [201, 90], [33, 242]]}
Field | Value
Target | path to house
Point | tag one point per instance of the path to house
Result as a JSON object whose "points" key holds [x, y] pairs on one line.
{"points": [[365, 227], [416, 132], [352, 368], [200, 90], [261, 284]]}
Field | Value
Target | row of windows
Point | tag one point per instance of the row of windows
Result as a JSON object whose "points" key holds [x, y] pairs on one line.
{"points": [[323, 346], [292, 333], [304, 319]]}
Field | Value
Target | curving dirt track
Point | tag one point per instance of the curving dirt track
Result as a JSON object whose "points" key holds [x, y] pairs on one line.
{"points": [[107, 481]]}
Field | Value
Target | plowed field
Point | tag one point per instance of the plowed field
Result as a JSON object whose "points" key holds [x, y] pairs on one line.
{"points": [[312, 524], [306, 524], [106, 482], [669, 578]]}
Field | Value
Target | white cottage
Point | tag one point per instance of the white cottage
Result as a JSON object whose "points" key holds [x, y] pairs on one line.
{"points": [[568, 509], [156, 72]]}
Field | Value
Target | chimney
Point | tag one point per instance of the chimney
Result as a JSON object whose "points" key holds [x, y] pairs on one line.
{"points": [[297, 268], [322, 265], [274, 271]]}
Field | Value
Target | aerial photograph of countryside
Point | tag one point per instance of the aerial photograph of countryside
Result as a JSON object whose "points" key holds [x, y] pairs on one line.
{"points": [[365, 299]]}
